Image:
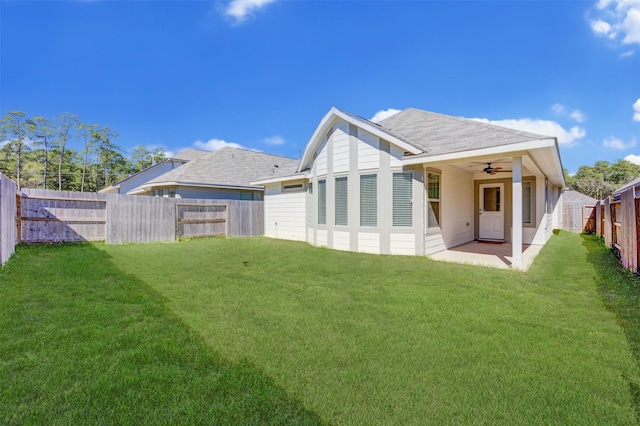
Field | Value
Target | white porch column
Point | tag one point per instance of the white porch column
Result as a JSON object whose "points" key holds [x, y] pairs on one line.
{"points": [[516, 225]]}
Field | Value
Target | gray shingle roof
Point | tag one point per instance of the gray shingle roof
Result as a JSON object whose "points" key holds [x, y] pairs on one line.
{"points": [[634, 183], [190, 154], [230, 167], [578, 197], [437, 134]]}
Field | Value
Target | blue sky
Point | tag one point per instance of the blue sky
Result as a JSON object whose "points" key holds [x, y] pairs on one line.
{"points": [[262, 73]]}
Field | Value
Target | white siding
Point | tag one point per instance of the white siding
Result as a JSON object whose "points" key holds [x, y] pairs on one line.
{"points": [[539, 236], [456, 210], [396, 155], [284, 214], [310, 236], [369, 242], [321, 160], [341, 149], [341, 240], [403, 244], [433, 244], [322, 238], [368, 151]]}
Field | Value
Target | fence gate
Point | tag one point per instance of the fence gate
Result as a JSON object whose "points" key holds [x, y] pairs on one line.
{"points": [[200, 221]]}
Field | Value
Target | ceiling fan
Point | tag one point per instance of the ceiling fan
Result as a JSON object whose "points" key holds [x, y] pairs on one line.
{"points": [[493, 170]]}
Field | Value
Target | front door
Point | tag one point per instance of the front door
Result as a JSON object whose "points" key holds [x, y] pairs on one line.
{"points": [[491, 211]]}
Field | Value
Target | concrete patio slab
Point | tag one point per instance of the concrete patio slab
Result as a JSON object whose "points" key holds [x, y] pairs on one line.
{"points": [[487, 254]]}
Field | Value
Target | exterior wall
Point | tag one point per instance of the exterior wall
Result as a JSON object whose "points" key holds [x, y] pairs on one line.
{"points": [[350, 152], [456, 209], [146, 175], [531, 233], [284, 213]]}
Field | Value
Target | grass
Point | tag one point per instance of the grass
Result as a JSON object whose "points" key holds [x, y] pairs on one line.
{"points": [[82, 342], [309, 335]]}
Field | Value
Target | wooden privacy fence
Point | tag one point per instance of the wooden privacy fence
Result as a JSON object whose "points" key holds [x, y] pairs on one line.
{"points": [[55, 216], [61, 216], [577, 217], [617, 220]]}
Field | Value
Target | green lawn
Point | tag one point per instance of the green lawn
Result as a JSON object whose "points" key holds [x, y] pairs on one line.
{"points": [[252, 331]]}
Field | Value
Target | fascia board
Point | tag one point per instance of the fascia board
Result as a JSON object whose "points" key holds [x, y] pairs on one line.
{"points": [[510, 150]]}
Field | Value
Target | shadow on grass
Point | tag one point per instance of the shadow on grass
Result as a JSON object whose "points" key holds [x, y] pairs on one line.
{"points": [[620, 290], [84, 343]]}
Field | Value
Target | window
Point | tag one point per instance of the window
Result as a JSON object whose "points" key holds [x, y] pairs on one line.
{"points": [[295, 187], [369, 200], [322, 202], [433, 194], [402, 211], [526, 202], [244, 195], [342, 201], [310, 204]]}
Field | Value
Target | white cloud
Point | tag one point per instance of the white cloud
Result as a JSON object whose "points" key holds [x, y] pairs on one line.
{"points": [[618, 20], [627, 54], [635, 159], [274, 140], [578, 116], [558, 109], [382, 114], [541, 127], [601, 27], [636, 110], [215, 144], [242, 9], [631, 26], [615, 143]]}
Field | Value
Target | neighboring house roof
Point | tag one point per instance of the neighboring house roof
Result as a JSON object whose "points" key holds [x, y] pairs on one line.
{"points": [[572, 196], [190, 154], [225, 168], [633, 184], [183, 156]]}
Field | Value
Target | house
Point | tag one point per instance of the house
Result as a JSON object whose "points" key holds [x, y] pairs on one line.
{"points": [[222, 174], [635, 184], [153, 171], [417, 183]]}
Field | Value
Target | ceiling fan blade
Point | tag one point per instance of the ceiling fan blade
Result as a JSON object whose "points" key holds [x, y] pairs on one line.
{"points": [[504, 171]]}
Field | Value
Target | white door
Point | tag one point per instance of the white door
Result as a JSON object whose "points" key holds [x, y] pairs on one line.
{"points": [[491, 211]]}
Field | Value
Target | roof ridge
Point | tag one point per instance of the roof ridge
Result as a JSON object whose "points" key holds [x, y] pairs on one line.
{"points": [[254, 151]]}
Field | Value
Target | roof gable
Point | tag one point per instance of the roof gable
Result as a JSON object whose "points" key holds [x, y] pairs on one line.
{"points": [[336, 114]]}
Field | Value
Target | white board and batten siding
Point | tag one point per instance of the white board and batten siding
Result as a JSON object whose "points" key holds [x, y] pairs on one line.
{"points": [[341, 240], [341, 148], [368, 151], [285, 213]]}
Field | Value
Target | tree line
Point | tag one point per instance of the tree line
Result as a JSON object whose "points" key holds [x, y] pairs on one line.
{"points": [[66, 154], [600, 180]]}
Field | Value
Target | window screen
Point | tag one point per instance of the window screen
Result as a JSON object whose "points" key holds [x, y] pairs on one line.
{"points": [[322, 202], [402, 211], [342, 201], [369, 200]]}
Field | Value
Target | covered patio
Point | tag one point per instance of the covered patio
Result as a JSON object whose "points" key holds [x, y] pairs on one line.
{"points": [[495, 255]]}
